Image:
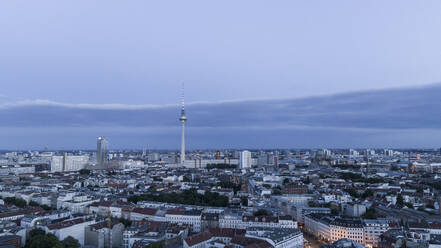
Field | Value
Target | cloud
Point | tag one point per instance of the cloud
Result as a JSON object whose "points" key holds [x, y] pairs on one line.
{"points": [[393, 117], [381, 109]]}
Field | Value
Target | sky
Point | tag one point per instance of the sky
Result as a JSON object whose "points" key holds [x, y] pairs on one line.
{"points": [[257, 74]]}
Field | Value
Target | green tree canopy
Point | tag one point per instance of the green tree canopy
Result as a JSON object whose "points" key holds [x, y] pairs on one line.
{"points": [[261, 212], [44, 241], [70, 242]]}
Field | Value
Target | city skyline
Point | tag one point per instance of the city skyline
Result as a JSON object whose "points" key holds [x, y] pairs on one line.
{"points": [[304, 124]]}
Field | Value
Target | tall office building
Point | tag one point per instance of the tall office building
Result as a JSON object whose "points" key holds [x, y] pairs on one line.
{"points": [[101, 151], [182, 119], [245, 159]]}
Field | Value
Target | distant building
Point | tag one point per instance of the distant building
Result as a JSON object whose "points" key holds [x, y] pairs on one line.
{"points": [[68, 163], [191, 218], [373, 229], [100, 234], [406, 238], [245, 160], [388, 152], [353, 153], [277, 237], [209, 220], [355, 210], [101, 151], [73, 227], [332, 228], [10, 241], [202, 163]]}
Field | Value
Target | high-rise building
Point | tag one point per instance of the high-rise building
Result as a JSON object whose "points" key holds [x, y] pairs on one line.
{"points": [[388, 152], [101, 151], [353, 153], [245, 159], [182, 119]]}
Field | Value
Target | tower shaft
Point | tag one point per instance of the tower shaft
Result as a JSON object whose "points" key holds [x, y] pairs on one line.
{"points": [[182, 119], [183, 143]]}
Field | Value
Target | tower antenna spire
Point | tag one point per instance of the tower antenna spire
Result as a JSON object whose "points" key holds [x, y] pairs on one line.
{"points": [[183, 100]]}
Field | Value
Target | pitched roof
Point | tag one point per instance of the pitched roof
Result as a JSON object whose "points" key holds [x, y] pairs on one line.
{"points": [[145, 211], [65, 224], [198, 238], [226, 232]]}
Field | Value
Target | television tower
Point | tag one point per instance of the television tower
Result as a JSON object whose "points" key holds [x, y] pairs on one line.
{"points": [[183, 119]]}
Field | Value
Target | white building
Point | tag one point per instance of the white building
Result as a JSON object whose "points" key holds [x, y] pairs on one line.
{"points": [[68, 163], [277, 237], [372, 231], [331, 229], [75, 228], [347, 228], [183, 216], [34, 220], [355, 210], [303, 211], [244, 222], [318, 225], [77, 204], [17, 170], [245, 160]]}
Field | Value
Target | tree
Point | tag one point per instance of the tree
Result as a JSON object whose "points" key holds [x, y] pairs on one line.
{"points": [[189, 197], [352, 192], [44, 241], [70, 242], [125, 222], [368, 193], [400, 200], [408, 204], [244, 201], [158, 244], [286, 181], [261, 212], [15, 201], [84, 172], [370, 214], [277, 191], [307, 181], [36, 232]]}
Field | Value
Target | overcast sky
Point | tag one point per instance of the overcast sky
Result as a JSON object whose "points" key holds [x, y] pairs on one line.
{"points": [[137, 53]]}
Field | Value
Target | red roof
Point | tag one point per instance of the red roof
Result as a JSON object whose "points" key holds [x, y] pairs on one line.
{"points": [[198, 238], [176, 211], [102, 204], [104, 224], [145, 211], [250, 242], [227, 232], [65, 224]]}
